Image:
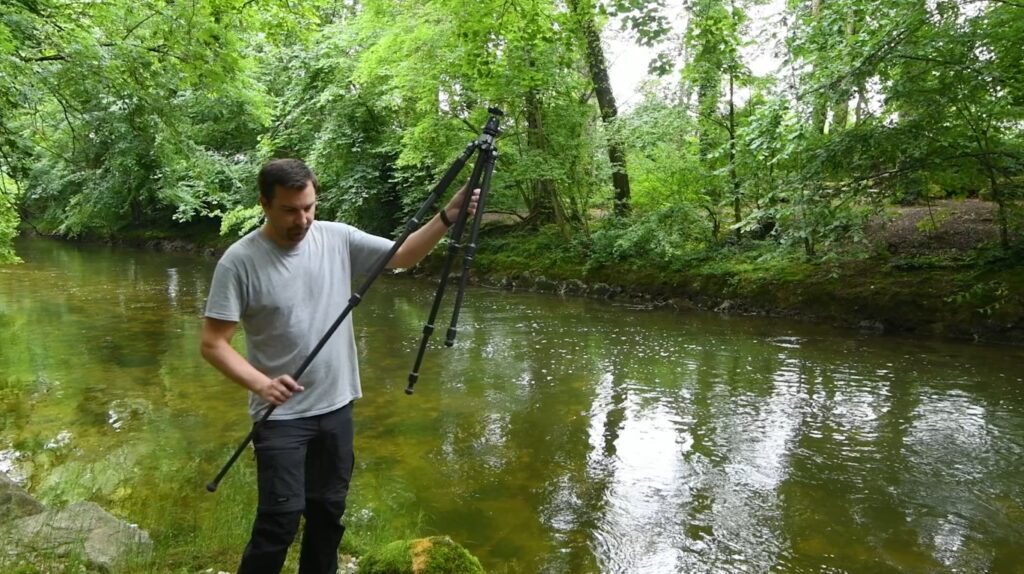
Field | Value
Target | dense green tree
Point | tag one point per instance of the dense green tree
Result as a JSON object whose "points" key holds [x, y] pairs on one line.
{"points": [[131, 114], [711, 77], [118, 117]]}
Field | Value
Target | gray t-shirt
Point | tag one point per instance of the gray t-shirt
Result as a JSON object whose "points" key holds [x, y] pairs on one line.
{"points": [[286, 299]]}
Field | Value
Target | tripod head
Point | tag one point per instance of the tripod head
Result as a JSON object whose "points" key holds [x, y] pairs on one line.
{"points": [[491, 129]]}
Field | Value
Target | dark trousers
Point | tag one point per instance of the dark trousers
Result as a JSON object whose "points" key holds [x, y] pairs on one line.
{"points": [[303, 469]]}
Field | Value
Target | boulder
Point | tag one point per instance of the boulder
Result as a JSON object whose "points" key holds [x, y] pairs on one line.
{"points": [[15, 502], [434, 555], [84, 530]]}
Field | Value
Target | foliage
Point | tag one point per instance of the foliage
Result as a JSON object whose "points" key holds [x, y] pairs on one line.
{"points": [[132, 116], [658, 239], [241, 220]]}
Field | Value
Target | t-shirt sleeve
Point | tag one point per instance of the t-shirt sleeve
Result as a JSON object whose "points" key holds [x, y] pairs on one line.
{"points": [[366, 250], [226, 299]]}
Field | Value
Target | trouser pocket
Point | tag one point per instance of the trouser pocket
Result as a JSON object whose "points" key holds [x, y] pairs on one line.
{"points": [[280, 478]]}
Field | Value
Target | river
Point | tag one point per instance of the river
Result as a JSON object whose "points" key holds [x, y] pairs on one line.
{"points": [[558, 435]]}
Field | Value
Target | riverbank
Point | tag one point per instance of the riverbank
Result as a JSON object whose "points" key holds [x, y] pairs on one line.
{"points": [[926, 270], [923, 270], [946, 298]]}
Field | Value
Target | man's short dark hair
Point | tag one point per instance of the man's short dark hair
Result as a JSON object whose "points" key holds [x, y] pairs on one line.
{"points": [[288, 173]]}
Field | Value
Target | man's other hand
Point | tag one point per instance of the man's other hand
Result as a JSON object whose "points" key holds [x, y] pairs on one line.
{"points": [[279, 389], [452, 209]]}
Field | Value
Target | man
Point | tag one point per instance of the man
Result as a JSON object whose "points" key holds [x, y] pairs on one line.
{"points": [[287, 282]]}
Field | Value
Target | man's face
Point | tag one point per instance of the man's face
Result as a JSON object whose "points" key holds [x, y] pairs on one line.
{"points": [[290, 214]]}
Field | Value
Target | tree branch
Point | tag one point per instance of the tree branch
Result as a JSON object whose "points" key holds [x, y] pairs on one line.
{"points": [[46, 58], [136, 26]]}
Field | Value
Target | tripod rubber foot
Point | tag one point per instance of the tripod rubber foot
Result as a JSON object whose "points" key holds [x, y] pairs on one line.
{"points": [[212, 487], [408, 390]]}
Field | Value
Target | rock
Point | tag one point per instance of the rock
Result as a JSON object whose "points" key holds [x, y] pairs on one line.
{"points": [[572, 287], [681, 304], [15, 502], [544, 285], [123, 412], [871, 326], [434, 555], [725, 307], [83, 529], [503, 282]]}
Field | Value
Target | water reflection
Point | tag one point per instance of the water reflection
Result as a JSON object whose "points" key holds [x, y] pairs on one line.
{"points": [[561, 436], [172, 287]]}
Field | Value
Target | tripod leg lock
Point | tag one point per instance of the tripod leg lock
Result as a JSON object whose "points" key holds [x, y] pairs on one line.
{"points": [[428, 329]]}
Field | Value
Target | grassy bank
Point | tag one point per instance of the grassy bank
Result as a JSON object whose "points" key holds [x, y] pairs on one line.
{"points": [[973, 294]]}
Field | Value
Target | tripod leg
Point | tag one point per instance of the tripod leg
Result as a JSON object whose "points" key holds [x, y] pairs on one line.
{"points": [[455, 235], [467, 260]]}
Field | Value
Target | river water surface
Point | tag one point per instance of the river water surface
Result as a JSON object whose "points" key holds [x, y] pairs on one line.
{"points": [[557, 435]]}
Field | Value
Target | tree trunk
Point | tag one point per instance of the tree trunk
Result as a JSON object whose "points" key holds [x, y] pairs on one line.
{"points": [[997, 196], [544, 204], [605, 101], [819, 113], [841, 111], [862, 103], [737, 215], [841, 107]]}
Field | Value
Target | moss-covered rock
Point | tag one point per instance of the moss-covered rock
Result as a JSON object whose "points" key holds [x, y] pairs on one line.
{"points": [[434, 555]]}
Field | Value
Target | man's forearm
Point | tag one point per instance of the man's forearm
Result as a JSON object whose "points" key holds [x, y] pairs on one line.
{"points": [[418, 244], [228, 361]]}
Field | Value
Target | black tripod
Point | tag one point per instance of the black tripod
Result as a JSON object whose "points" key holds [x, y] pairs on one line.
{"points": [[485, 165], [483, 168]]}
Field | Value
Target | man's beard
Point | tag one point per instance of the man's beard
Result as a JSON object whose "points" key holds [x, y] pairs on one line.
{"points": [[296, 233]]}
